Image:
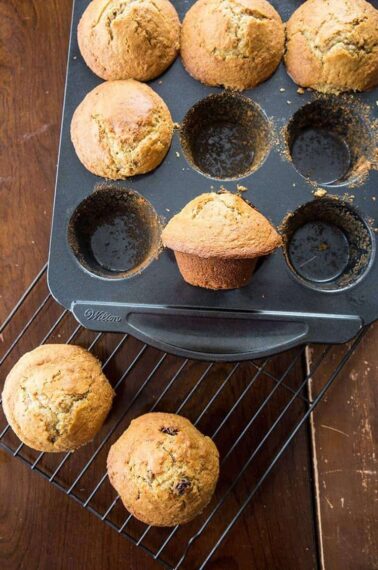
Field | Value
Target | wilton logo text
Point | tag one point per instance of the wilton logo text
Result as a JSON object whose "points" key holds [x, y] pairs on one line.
{"points": [[101, 316]]}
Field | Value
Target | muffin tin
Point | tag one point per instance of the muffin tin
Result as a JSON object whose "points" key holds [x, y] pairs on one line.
{"points": [[106, 264]]}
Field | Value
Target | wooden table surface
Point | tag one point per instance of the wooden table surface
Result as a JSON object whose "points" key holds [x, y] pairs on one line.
{"points": [[318, 508]]}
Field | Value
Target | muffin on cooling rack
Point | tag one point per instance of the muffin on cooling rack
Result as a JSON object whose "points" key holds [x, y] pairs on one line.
{"points": [[164, 469], [121, 39], [332, 45], [121, 128], [234, 43], [217, 240], [56, 397]]}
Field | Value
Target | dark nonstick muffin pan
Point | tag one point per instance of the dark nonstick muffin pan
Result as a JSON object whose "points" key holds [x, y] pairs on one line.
{"points": [[106, 264]]}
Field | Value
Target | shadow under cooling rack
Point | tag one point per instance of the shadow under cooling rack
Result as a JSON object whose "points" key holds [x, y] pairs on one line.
{"points": [[251, 409]]}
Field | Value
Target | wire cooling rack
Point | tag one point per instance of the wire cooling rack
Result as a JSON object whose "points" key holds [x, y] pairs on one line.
{"points": [[251, 409]]}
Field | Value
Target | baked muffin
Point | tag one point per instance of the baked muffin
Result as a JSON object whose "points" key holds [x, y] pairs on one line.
{"points": [[121, 39], [233, 43], [56, 397], [332, 45], [217, 240], [164, 469], [121, 128]]}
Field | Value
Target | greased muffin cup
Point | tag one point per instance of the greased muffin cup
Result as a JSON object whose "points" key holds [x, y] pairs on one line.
{"points": [[120, 129], [233, 44], [226, 136], [129, 39], [329, 246], [114, 233], [56, 397], [164, 469], [333, 46], [217, 239]]}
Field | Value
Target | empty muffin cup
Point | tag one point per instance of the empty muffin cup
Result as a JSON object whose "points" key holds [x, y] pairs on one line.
{"points": [[328, 245], [114, 233], [226, 136], [329, 142]]}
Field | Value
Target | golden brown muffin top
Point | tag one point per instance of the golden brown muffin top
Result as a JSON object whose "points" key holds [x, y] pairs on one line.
{"points": [[56, 397], [234, 43], [332, 45], [221, 225], [164, 469], [129, 39], [121, 128]]}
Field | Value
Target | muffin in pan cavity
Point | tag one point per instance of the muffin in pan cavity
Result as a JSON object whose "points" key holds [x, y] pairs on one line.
{"points": [[218, 239], [121, 128], [56, 397], [232, 43], [129, 39], [332, 45], [164, 469]]}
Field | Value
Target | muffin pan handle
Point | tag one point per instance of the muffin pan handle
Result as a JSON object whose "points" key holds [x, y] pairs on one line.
{"points": [[203, 335]]}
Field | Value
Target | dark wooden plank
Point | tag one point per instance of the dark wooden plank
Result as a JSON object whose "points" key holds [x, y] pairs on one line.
{"points": [[345, 431], [34, 41], [39, 526]]}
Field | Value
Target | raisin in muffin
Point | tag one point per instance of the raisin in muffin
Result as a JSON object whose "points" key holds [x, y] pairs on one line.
{"points": [[132, 39], [121, 128], [217, 240], [332, 45], [233, 43], [56, 397], [164, 469]]}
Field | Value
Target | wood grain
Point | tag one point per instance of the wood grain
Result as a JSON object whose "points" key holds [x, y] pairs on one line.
{"points": [[345, 430], [33, 51]]}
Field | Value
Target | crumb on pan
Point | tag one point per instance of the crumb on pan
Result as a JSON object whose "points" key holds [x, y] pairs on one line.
{"points": [[320, 193]]}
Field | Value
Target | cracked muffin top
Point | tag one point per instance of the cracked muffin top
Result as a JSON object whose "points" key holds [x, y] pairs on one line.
{"points": [[332, 45], [164, 469], [56, 397], [221, 225], [233, 43], [129, 39], [121, 128]]}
